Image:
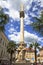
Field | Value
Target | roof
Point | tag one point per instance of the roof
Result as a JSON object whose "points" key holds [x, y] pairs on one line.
{"points": [[4, 36], [41, 55], [29, 49], [38, 55], [41, 48]]}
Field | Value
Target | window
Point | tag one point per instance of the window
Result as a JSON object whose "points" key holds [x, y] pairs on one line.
{"points": [[33, 59], [3, 42], [1, 52], [0, 40], [4, 52]]}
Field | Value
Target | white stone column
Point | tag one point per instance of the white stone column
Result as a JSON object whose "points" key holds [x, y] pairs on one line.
{"points": [[22, 23], [21, 29]]}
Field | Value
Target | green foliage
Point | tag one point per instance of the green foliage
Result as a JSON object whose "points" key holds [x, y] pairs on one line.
{"points": [[11, 47], [1, 28], [38, 25], [36, 46], [3, 19]]}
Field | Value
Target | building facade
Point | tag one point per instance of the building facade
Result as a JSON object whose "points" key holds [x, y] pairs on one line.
{"points": [[40, 56], [3, 47], [30, 55]]}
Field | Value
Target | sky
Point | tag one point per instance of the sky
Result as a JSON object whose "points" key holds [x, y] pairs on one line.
{"points": [[32, 8]]}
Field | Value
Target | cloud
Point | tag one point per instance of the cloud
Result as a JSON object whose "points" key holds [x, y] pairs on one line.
{"points": [[16, 4], [41, 3], [15, 36], [14, 7], [11, 25], [24, 1], [11, 30], [27, 20], [16, 27], [12, 11], [14, 14], [4, 4], [41, 39], [28, 37]]}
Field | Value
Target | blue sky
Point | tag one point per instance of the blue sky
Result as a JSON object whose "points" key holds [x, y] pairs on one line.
{"points": [[31, 8]]}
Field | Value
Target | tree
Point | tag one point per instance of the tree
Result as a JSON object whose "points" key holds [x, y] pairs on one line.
{"points": [[11, 49], [3, 19], [36, 46], [38, 25]]}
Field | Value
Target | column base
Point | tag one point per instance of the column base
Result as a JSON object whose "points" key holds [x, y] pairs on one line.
{"points": [[20, 61]]}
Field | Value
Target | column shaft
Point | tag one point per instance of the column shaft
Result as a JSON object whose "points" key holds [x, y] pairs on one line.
{"points": [[21, 29]]}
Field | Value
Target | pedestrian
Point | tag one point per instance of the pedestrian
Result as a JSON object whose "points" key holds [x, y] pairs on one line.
{"points": [[0, 62]]}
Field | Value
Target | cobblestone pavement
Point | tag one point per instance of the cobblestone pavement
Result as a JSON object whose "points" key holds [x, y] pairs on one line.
{"points": [[26, 64]]}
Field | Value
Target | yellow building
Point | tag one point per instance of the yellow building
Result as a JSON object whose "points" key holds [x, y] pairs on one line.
{"points": [[40, 56], [3, 47], [30, 55]]}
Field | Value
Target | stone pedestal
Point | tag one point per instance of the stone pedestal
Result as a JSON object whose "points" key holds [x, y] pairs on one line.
{"points": [[21, 53]]}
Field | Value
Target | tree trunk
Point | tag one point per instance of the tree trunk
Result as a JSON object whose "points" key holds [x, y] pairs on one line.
{"points": [[35, 56], [11, 59]]}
